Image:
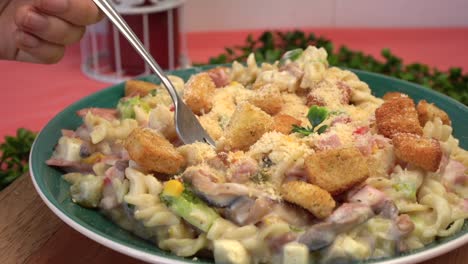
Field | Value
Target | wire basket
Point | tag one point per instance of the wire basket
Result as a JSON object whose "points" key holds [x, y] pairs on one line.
{"points": [[107, 56]]}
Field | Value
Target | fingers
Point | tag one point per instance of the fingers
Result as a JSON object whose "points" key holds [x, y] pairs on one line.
{"points": [[77, 12], [33, 49], [48, 28]]}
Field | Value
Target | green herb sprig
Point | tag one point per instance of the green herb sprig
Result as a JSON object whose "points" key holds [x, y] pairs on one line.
{"points": [[14, 156], [271, 44], [316, 116]]}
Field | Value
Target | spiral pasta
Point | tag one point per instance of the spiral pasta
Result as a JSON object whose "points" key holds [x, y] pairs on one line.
{"points": [[245, 75], [143, 194], [438, 130], [101, 129]]}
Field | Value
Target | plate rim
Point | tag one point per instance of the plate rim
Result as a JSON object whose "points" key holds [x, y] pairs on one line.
{"points": [[420, 256]]}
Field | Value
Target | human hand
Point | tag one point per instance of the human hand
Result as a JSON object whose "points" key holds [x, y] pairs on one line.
{"points": [[39, 30]]}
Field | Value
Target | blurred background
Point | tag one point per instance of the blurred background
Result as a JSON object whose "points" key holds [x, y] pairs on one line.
{"points": [[219, 15], [182, 33]]}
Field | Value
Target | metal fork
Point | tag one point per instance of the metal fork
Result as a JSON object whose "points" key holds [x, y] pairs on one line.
{"points": [[187, 126]]}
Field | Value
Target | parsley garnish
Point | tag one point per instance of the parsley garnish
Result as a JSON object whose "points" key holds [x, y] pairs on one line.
{"points": [[316, 116], [14, 156]]}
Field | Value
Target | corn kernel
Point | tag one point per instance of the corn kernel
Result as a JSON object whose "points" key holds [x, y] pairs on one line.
{"points": [[173, 188], [94, 158]]}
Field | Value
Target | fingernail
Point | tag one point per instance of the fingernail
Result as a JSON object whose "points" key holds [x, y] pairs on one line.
{"points": [[53, 6], [35, 21], [26, 40]]}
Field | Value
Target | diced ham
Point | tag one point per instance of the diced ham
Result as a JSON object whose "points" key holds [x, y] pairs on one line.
{"points": [[71, 166], [242, 170], [106, 113], [114, 173], [245, 211], [454, 174], [369, 196], [404, 225], [205, 181], [295, 174], [219, 76], [328, 141], [380, 140], [219, 162], [341, 119], [350, 214], [313, 99], [293, 69], [345, 92], [364, 143]]}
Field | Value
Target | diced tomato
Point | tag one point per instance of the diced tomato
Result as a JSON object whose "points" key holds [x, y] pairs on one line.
{"points": [[361, 130], [107, 181]]}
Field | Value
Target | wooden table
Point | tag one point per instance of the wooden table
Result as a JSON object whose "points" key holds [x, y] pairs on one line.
{"points": [[31, 233]]}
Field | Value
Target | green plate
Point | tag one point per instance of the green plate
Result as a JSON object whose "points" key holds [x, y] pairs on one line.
{"points": [[55, 191]]}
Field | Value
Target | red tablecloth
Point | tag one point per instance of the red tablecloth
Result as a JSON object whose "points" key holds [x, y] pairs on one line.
{"points": [[33, 94]]}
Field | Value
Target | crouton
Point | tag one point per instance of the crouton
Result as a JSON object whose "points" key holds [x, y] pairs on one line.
{"points": [[428, 112], [153, 152], [211, 126], [398, 115], [393, 95], [419, 151], [137, 87], [284, 123], [311, 197], [198, 93], [248, 123], [268, 98], [337, 170]]}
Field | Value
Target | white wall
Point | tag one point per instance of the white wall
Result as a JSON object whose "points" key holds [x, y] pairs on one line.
{"points": [[213, 15]]}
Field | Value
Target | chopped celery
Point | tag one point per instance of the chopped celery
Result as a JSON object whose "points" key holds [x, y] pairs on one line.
{"points": [[188, 206], [86, 190], [407, 189], [126, 106]]}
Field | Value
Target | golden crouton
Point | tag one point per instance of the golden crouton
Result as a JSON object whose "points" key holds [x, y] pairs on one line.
{"points": [[137, 87], [211, 126], [311, 197], [248, 123], [427, 112], [422, 152], [268, 98], [153, 152], [198, 93], [337, 170], [397, 116], [284, 123], [393, 95]]}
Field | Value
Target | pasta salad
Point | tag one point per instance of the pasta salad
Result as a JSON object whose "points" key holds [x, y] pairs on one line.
{"points": [[308, 166]]}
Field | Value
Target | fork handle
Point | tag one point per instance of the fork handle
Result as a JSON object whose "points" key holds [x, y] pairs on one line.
{"points": [[128, 33]]}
